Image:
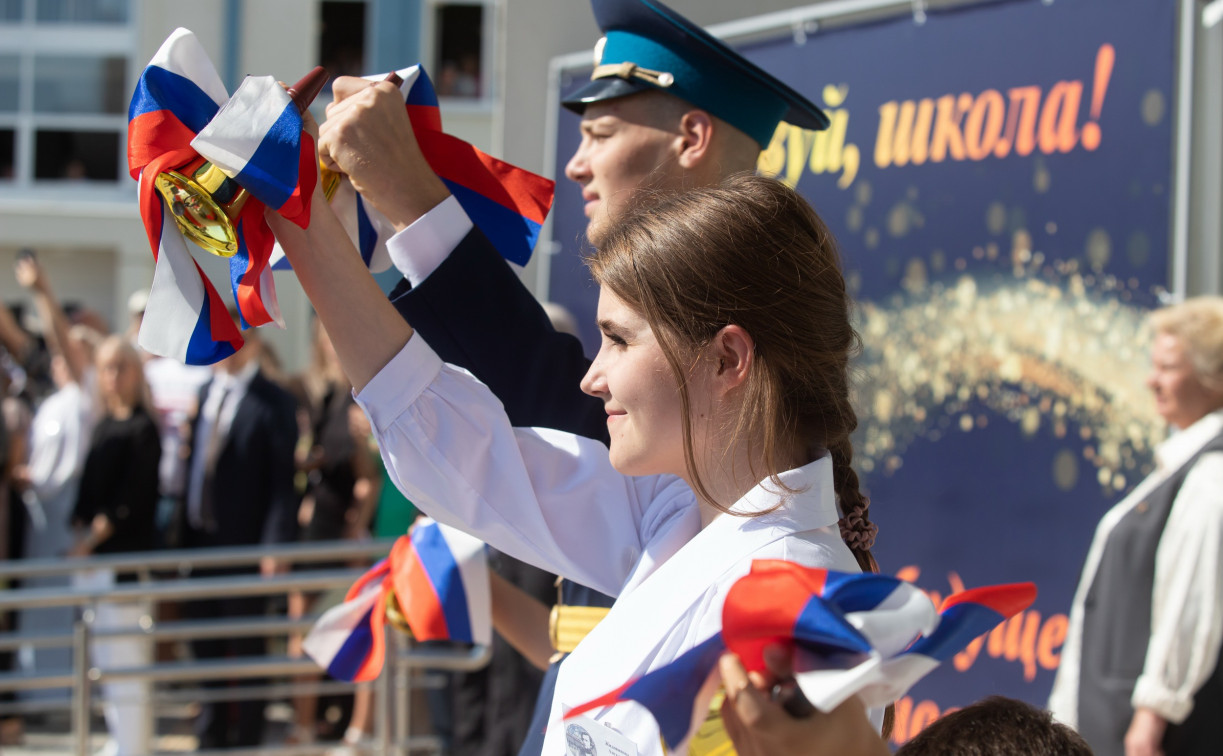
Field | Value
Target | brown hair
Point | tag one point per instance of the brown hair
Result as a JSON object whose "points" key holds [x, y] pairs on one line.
{"points": [[750, 252], [997, 726]]}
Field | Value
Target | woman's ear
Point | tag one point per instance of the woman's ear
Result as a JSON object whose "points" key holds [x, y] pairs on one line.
{"points": [[696, 136], [735, 354]]}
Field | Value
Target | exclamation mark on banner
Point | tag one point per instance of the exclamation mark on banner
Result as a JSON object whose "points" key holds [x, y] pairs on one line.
{"points": [[1104, 70]]}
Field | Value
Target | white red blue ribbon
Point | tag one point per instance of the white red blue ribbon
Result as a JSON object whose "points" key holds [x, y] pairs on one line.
{"points": [[866, 634], [439, 576], [179, 95]]}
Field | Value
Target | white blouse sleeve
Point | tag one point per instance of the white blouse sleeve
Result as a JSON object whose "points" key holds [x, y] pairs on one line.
{"points": [[543, 496], [1187, 610]]}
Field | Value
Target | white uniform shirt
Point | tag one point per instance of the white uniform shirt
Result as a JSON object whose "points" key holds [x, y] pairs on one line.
{"points": [[59, 437], [420, 248], [220, 406], [176, 389], [553, 499], [1187, 606]]}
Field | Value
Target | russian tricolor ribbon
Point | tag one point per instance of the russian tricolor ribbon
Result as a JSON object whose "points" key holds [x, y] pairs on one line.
{"points": [[862, 634], [439, 577], [181, 110], [508, 204]]}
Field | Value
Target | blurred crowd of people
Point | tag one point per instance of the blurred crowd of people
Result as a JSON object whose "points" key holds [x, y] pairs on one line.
{"points": [[107, 449]]}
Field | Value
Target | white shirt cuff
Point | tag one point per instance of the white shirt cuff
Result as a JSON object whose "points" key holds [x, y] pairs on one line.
{"points": [[420, 248], [1172, 705], [398, 384]]}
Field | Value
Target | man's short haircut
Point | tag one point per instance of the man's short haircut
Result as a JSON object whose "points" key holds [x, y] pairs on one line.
{"points": [[997, 726]]}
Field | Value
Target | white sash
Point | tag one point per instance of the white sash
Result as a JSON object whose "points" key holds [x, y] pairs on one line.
{"points": [[641, 620]]}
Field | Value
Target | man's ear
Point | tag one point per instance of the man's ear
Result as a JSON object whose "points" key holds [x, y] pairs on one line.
{"points": [[734, 351], [696, 136]]}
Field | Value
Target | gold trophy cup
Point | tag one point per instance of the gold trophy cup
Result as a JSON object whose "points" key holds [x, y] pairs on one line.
{"points": [[204, 201]]}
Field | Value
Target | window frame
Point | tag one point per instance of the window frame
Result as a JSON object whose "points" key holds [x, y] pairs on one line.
{"points": [[28, 38]]}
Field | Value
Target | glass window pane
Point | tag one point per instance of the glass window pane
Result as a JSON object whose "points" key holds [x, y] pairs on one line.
{"points": [[83, 11], [8, 83], [342, 38], [10, 10], [92, 84], [459, 29], [8, 152], [76, 155]]}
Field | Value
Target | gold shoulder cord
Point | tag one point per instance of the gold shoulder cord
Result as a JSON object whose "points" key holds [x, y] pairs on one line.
{"points": [[628, 70], [568, 625]]}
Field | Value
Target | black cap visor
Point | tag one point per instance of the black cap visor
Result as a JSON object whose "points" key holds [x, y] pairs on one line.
{"points": [[607, 88]]}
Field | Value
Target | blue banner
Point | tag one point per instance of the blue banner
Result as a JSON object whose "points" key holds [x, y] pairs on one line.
{"points": [[999, 180]]}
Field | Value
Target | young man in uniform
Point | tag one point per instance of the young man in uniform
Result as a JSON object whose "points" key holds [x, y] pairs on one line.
{"points": [[668, 107]]}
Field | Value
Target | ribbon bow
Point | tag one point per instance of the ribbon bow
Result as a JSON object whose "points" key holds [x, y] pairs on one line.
{"points": [[439, 577], [866, 634], [180, 111], [508, 204]]}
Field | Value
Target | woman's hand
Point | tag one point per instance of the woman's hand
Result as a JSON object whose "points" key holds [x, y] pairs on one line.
{"points": [[305, 511], [29, 274], [761, 726], [81, 549], [100, 529], [1146, 734]]}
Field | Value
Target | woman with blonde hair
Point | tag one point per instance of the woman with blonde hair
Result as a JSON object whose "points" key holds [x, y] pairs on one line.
{"points": [[115, 512], [1140, 669], [724, 375]]}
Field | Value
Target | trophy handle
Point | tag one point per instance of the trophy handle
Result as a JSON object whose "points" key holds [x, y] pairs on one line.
{"points": [[394, 614]]}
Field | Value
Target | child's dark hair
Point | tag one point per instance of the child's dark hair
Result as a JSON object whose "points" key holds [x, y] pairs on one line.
{"points": [[997, 726]]}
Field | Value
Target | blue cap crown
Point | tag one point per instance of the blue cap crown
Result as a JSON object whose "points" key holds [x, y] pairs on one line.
{"points": [[650, 46]]}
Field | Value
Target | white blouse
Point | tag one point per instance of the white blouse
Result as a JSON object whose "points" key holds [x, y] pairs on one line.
{"points": [[553, 499], [1187, 606]]}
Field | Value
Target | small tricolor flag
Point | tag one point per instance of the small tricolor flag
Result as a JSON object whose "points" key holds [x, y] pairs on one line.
{"points": [[178, 97], [439, 577], [866, 634], [508, 204]]}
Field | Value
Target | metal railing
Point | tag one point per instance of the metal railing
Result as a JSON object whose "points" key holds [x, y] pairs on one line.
{"points": [[164, 576]]}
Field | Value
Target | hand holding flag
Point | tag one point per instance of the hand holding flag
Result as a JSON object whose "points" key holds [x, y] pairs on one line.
{"points": [[507, 203], [865, 634], [439, 578]]}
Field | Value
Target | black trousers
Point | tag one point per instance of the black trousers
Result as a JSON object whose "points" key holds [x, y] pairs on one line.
{"points": [[228, 724]]}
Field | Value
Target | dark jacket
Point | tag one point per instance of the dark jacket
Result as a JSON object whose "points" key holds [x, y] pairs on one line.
{"points": [[253, 500]]}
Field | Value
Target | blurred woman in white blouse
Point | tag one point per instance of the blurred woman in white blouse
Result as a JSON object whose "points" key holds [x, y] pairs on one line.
{"points": [[1140, 668]]}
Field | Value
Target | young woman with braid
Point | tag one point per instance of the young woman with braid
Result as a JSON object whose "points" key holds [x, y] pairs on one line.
{"points": [[724, 374]]}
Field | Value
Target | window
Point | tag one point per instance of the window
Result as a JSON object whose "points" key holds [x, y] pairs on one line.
{"points": [[65, 79], [459, 35], [8, 139], [9, 65], [79, 84], [342, 38], [82, 11], [76, 155]]}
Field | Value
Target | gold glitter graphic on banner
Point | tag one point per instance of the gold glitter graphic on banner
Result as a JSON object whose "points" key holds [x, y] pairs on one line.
{"points": [[1048, 347]]}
